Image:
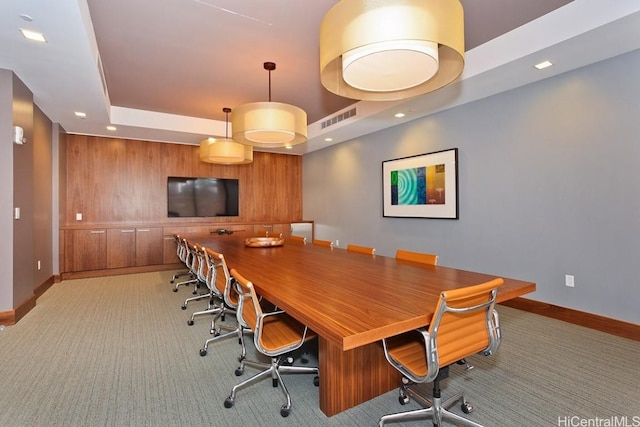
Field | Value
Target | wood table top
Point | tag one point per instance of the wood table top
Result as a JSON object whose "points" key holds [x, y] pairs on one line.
{"points": [[351, 299]]}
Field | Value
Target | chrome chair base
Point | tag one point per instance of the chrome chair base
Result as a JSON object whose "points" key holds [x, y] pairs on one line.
{"points": [[275, 370], [437, 411], [220, 313]]}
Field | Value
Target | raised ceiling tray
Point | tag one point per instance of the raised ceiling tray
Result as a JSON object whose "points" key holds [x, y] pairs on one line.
{"points": [[263, 242]]}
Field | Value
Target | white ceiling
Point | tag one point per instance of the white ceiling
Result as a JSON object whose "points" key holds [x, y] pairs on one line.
{"points": [[170, 66]]}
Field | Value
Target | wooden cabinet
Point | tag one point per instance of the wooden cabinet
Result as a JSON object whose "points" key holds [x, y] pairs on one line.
{"points": [[85, 250], [149, 247], [272, 229], [117, 250], [112, 248], [121, 247]]}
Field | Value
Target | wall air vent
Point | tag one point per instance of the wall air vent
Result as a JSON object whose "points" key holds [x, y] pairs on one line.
{"points": [[337, 119]]}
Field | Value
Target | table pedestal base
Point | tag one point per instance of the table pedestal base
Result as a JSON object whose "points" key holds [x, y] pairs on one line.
{"points": [[348, 378]]}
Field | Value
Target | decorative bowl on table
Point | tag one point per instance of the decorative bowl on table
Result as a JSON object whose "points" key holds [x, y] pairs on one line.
{"points": [[263, 242]]}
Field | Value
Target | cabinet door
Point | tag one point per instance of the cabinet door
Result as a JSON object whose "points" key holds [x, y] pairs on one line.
{"points": [[121, 247], [149, 246], [170, 253], [89, 250]]}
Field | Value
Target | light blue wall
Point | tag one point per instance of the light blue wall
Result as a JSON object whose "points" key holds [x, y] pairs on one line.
{"points": [[549, 181]]}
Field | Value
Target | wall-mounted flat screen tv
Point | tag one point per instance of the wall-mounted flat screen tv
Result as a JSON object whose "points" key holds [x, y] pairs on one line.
{"points": [[202, 197]]}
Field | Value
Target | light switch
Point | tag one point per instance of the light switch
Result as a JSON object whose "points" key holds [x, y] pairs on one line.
{"points": [[16, 213]]}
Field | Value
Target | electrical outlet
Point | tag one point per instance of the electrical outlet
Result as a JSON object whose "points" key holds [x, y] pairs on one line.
{"points": [[569, 280], [337, 243], [78, 216], [39, 266]]}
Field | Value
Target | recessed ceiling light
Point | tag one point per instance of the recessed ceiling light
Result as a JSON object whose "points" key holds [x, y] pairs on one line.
{"points": [[33, 35], [288, 147], [328, 139], [399, 115], [80, 114], [543, 64], [112, 128]]}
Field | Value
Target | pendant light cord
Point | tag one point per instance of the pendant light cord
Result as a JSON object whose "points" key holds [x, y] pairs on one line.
{"points": [[226, 110]]}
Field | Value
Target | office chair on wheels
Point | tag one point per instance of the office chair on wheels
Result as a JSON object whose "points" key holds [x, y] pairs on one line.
{"points": [[222, 284], [464, 323], [276, 335]]}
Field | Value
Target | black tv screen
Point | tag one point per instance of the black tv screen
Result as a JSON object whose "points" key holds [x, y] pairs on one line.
{"points": [[202, 197]]}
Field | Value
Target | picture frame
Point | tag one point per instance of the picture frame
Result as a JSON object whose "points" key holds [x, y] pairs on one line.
{"points": [[421, 186]]}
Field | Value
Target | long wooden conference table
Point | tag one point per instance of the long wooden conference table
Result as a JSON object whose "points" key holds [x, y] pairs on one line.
{"points": [[352, 301]]}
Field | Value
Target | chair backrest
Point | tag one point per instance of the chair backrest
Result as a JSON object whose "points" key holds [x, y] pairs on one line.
{"points": [[221, 278], [192, 257], [202, 267], [249, 310], [297, 239], [327, 243], [423, 258], [464, 323], [361, 249], [180, 252]]}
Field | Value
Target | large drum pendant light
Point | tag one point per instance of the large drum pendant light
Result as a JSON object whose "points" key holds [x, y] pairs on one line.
{"points": [[387, 50], [225, 151], [269, 124]]}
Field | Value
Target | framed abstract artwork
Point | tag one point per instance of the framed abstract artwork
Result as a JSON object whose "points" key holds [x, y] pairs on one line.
{"points": [[422, 186]]}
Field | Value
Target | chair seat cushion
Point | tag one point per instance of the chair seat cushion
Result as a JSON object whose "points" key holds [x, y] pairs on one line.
{"points": [[408, 350], [282, 331]]}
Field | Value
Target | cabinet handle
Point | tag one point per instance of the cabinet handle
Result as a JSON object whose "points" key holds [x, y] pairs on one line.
{"points": [[127, 231], [97, 231], [143, 229]]}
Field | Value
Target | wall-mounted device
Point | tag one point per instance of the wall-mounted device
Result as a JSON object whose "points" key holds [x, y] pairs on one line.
{"points": [[18, 135]]}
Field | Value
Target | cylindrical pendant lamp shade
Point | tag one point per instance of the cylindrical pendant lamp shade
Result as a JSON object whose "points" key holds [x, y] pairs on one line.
{"points": [[269, 124], [223, 151], [248, 155], [389, 50]]}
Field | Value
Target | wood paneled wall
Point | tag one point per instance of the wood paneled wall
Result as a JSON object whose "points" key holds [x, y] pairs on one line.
{"points": [[112, 181]]}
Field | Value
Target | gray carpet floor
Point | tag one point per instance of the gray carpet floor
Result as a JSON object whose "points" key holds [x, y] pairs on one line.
{"points": [[117, 351]]}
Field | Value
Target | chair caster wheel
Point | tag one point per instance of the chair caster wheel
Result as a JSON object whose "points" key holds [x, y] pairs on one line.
{"points": [[222, 317], [274, 382], [195, 292], [172, 282], [466, 408], [203, 352], [175, 289], [284, 411], [190, 322], [184, 307], [239, 371], [228, 402], [316, 381], [403, 399]]}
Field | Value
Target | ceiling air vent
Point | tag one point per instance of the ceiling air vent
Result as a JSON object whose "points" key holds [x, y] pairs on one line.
{"points": [[337, 119], [103, 79]]}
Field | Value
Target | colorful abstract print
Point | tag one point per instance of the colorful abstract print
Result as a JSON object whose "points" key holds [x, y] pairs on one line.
{"points": [[418, 186]]}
